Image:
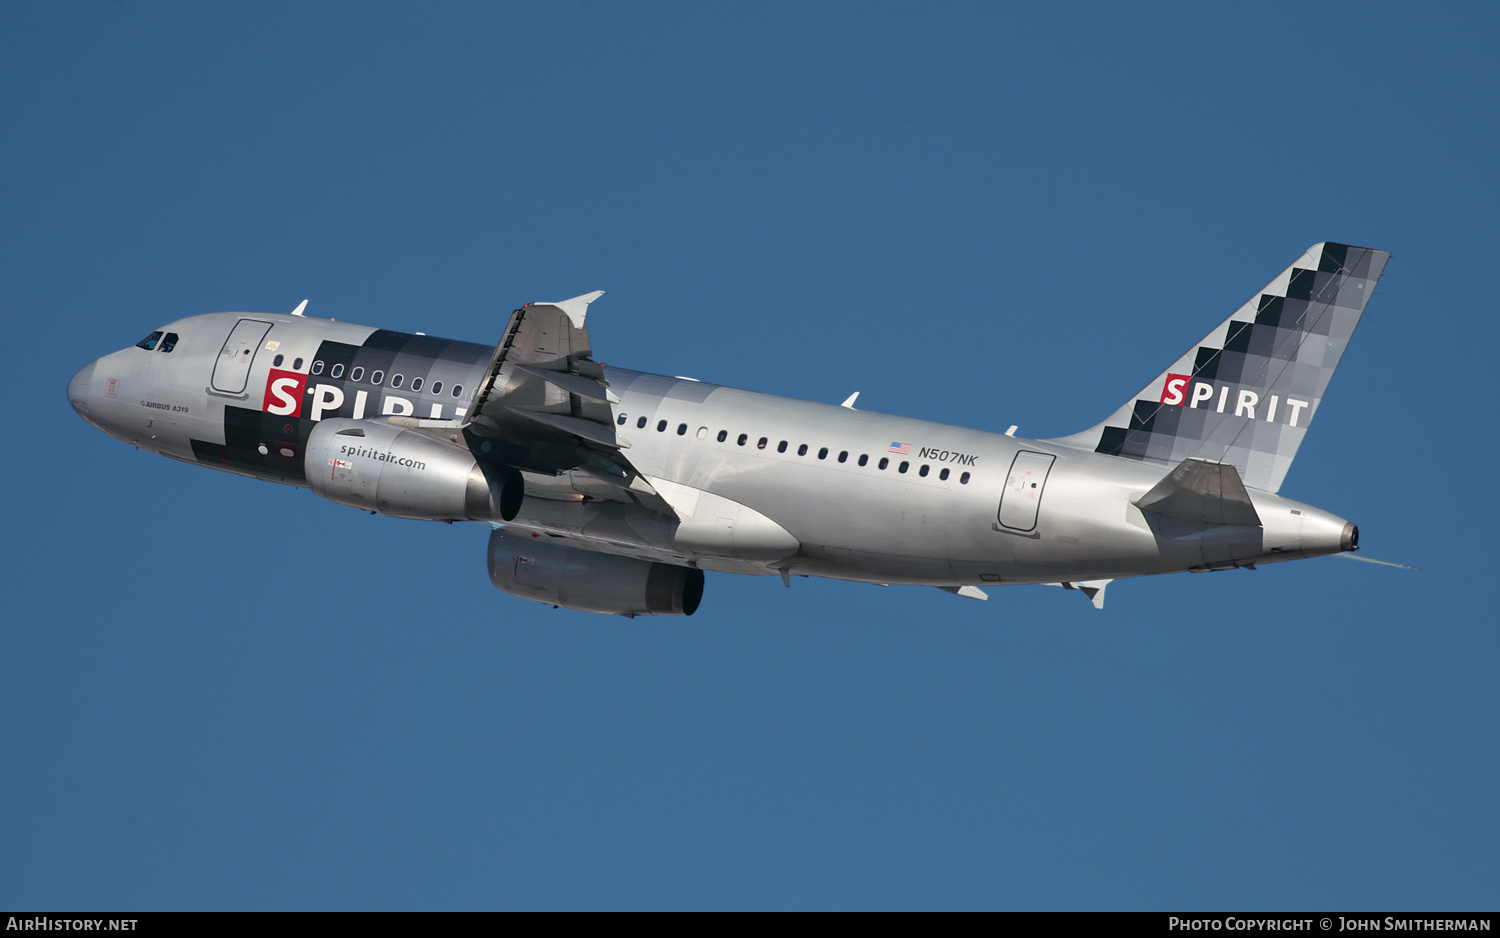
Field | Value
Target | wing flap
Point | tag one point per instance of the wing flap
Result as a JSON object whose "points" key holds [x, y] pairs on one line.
{"points": [[545, 404], [576, 426], [593, 389]]}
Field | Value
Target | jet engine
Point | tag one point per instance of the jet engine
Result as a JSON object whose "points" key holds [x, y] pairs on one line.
{"points": [[381, 466], [588, 581]]}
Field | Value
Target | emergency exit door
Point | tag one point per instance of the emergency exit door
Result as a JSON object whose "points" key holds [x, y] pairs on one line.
{"points": [[1023, 490]]}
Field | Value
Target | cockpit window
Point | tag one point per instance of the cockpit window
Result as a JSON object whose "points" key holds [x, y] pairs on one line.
{"points": [[149, 342], [169, 343]]}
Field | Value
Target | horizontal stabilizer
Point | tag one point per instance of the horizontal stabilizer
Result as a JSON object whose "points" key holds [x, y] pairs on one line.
{"points": [[1381, 563], [1203, 492]]}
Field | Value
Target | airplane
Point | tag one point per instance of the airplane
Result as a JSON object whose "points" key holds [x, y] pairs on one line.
{"points": [[612, 491]]}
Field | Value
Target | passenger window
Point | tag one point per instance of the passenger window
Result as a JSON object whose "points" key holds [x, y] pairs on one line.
{"points": [[781, 447], [904, 466], [297, 365], [863, 459], [356, 374], [823, 453], [702, 433], [762, 443], [622, 419], [437, 387], [724, 435], [276, 362], [943, 475], [317, 367], [922, 471], [337, 371], [376, 377], [964, 479], [416, 384], [640, 423], [682, 429], [457, 390], [149, 342], [396, 380], [802, 450], [661, 426], [743, 438], [844, 456], [884, 462]]}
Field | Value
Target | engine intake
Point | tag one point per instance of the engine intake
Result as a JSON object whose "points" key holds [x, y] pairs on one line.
{"points": [[391, 469], [589, 581]]}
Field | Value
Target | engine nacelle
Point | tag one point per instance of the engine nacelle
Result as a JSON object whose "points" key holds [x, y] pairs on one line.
{"points": [[586, 580], [384, 467]]}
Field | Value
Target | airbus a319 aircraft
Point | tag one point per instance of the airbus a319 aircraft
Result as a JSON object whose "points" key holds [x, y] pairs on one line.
{"points": [[610, 490]]}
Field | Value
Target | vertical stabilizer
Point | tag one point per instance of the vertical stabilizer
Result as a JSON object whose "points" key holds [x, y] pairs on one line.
{"points": [[1246, 394]]}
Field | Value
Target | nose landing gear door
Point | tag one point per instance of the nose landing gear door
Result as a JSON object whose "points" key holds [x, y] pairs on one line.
{"points": [[232, 368], [1023, 490]]}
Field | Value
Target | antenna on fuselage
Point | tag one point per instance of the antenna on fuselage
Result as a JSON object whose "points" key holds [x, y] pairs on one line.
{"points": [[300, 307]]}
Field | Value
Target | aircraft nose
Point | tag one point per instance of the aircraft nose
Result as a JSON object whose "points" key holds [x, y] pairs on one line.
{"points": [[79, 389]]}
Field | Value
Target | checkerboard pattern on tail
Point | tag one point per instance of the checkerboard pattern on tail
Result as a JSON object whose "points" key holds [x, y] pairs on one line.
{"points": [[1246, 394]]}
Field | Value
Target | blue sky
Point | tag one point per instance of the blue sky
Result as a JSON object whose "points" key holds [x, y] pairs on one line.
{"points": [[222, 694]]}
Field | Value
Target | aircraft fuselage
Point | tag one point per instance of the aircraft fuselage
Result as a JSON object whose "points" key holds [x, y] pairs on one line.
{"points": [[863, 495]]}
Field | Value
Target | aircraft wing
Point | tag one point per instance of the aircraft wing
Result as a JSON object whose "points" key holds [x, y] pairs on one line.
{"points": [[544, 403]]}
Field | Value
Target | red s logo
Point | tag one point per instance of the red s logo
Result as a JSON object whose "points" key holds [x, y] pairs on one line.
{"points": [[1175, 389], [284, 391]]}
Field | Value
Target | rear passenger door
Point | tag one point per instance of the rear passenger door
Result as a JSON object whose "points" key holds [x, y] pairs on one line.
{"points": [[1023, 490]]}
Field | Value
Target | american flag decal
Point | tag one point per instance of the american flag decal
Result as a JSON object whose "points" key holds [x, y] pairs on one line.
{"points": [[900, 449]]}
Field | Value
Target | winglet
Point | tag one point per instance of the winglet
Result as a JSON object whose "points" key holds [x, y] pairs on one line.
{"points": [[576, 308], [300, 307], [967, 592], [1093, 589]]}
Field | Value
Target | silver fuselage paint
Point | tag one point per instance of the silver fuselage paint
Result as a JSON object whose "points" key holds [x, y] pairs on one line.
{"points": [[852, 522]]}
